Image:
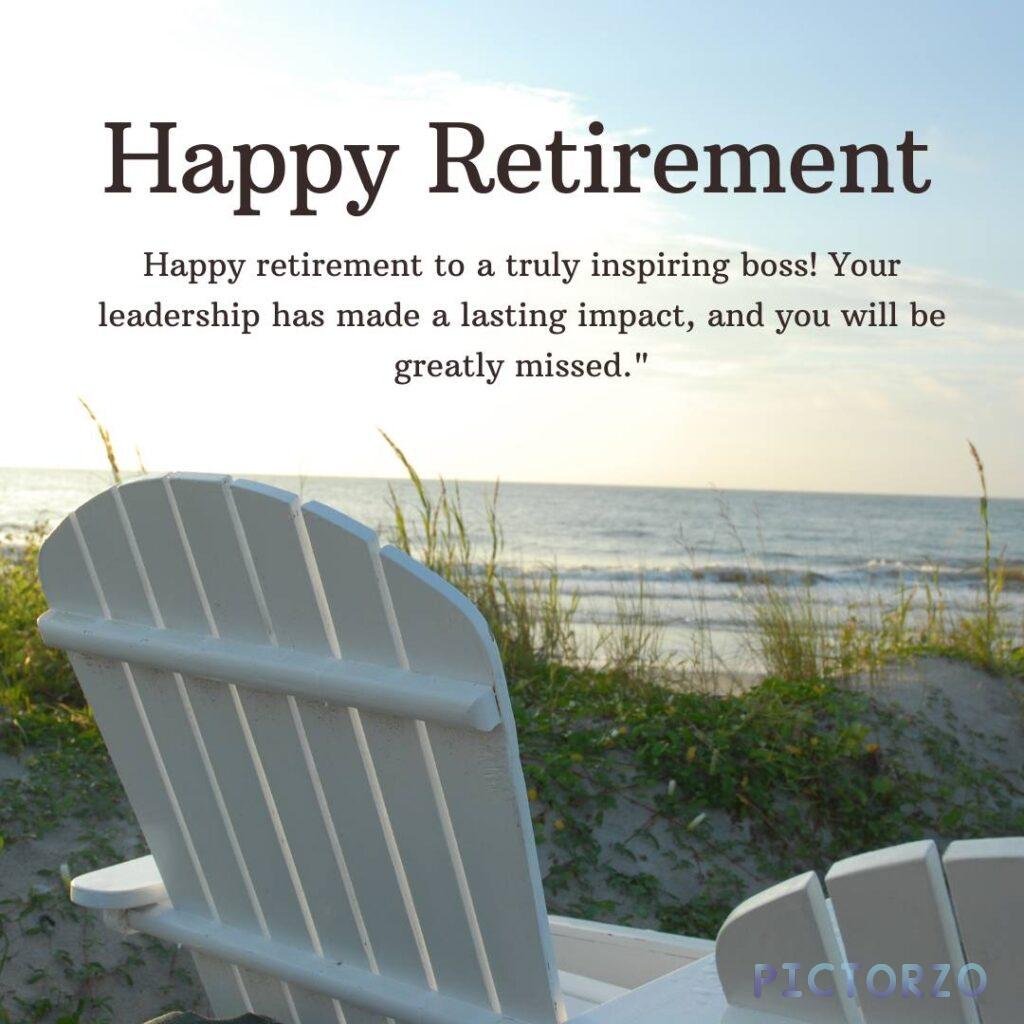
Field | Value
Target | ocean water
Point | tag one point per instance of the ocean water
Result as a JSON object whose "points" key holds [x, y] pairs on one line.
{"points": [[701, 552]]}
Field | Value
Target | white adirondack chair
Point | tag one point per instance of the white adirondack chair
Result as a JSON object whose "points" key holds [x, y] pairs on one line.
{"points": [[316, 737]]}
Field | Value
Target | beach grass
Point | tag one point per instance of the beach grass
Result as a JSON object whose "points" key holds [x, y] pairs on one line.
{"points": [[788, 633]]}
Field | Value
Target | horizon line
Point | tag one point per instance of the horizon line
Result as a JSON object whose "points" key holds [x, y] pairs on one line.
{"points": [[133, 473]]}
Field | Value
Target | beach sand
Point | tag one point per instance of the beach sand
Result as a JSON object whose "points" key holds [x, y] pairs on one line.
{"points": [[55, 949]]}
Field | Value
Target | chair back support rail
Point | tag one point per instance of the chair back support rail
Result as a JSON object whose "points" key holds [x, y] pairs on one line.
{"points": [[316, 737]]}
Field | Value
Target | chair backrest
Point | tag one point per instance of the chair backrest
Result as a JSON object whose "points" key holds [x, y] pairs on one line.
{"points": [[316, 737], [904, 926]]}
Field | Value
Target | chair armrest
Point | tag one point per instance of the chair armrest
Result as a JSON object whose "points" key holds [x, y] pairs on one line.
{"points": [[627, 957], [689, 995], [128, 886]]}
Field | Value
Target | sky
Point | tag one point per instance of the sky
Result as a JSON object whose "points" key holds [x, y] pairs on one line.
{"points": [[839, 410]]}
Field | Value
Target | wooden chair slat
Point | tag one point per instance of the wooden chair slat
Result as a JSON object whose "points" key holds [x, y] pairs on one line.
{"points": [[986, 883], [224, 985], [893, 908], [786, 924], [271, 521], [481, 793], [347, 556]]}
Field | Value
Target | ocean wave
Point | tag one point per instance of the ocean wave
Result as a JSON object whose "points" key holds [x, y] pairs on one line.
{"points": [[735, 574], [615, 579], [968, 571]]}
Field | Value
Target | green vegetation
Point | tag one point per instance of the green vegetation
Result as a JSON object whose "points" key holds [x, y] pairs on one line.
{"points": [[31, 674], [723, 793], [795, 640], [655, 799]]}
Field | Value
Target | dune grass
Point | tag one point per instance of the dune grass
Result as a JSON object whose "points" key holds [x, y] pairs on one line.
{"points": [[795, 639], [30, 672], [789, 634]]}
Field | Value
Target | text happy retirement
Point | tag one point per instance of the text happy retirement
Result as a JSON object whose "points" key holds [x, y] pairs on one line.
{"points": [[463, 161]]}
